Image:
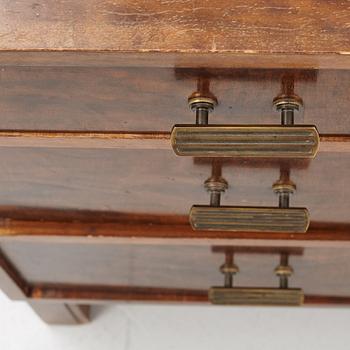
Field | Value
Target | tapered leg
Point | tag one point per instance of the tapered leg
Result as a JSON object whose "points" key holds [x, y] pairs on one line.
{"points": [[61, 313]]}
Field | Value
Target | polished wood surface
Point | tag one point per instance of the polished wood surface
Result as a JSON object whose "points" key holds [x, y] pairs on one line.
{"points": [[78, 58], [158, 182], [15, 286], [105, 265], [26, 224], [300, 28], [98, 295], [144, 99], [94, 203], [122, 140]]}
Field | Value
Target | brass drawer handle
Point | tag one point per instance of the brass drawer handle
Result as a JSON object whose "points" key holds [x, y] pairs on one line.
{"points": [[252, 219], [245, 141], [215, 217], [281, 141], [229, 295], [256, 296]]}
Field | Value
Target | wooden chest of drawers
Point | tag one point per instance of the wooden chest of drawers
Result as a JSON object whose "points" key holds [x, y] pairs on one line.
{"points": [[94, 201]]}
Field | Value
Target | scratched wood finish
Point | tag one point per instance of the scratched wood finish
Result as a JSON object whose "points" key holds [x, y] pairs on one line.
{"points": [[143, 99], [299, 27], [158, 182], [78, 58], [321, 271], [155, 140]]}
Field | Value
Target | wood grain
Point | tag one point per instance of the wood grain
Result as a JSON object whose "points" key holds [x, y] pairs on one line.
{"points": [[122, 293], [106, 264], [147, 100], [12, 282], [159, 183], [100, 58], [16, 287], [104, 271], [94, 139], [46, 223], [300, 27], [122, 140]]}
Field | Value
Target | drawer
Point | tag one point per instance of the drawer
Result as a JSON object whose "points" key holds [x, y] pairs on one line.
{"points": [[156, 182], [95, 205], [154, 98], [106, 269]]}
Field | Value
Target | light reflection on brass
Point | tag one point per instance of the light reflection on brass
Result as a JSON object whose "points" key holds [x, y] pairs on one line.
{"points": [[245, 141], [230, 295], [256, 296], [249, 219]]}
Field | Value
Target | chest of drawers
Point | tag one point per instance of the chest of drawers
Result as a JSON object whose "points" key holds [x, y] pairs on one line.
{"points": [[94, 201]]}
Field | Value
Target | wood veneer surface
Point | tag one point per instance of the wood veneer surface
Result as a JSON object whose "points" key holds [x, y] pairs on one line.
{"points": [[158, 182], [154, 99], [321, 271], [300, 26]]}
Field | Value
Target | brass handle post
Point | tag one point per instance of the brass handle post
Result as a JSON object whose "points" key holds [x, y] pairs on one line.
{"points": [[230, 295], [276, 141], [215, 217]]}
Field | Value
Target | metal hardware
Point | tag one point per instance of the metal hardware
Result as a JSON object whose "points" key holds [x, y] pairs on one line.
{"points": [[249, 219], [287, 105], [229, 269], [283, 271], [214, 217], [215, 185], [281, 141], [202, 105], [230, 295], [245, 141], [284, 187]]}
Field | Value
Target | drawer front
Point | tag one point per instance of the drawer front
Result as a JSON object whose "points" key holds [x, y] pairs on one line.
{"points": [[159, 183], [105, 269], [154, 99]]}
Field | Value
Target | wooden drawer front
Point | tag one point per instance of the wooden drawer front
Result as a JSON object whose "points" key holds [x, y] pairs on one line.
{"points": [[106, 264], [158, 182], [154, 99]]}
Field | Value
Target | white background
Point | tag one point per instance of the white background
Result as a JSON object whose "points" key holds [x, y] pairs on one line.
{"points": [[163, 327]]}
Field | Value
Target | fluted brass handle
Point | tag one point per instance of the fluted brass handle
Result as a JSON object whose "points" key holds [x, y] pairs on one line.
{"points": [[256, 296], [230, 295], [245, 141], [251, 219], [215, 217], [276, 141]]}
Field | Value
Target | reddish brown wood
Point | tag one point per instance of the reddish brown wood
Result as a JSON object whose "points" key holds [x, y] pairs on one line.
{"points": [[154, 99], [16, 287], [113, 74], [315, 29], [189, 264], [100, 224], [81, 272], [122, 293], [107, 293], [159, 183], [122, 140], [94, 139], [61, 313], [11, 281], [104, 58]]}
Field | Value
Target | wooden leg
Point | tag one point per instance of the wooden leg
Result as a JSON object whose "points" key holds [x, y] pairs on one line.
{"points": [[61, 313]]}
